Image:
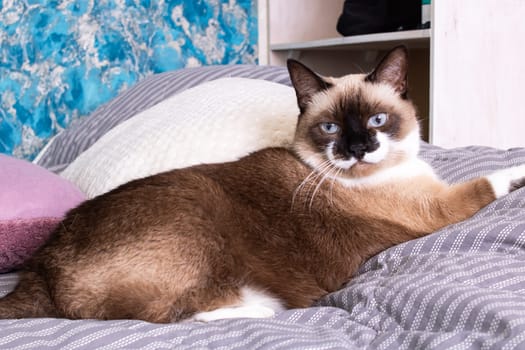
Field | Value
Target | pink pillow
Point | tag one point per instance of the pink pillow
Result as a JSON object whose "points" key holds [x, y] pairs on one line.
{"points": [[33, 200]]}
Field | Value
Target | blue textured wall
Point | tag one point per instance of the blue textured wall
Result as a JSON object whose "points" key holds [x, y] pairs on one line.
{"points": [[59, 60]]}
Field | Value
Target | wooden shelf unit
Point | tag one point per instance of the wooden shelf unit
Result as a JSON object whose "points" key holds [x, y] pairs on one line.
{"points": [[466, 72]]}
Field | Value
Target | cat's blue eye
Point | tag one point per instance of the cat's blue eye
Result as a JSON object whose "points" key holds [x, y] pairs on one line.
{"points": [[330, 128], [377, 120]]}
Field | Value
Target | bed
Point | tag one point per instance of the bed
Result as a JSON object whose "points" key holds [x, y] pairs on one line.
{"points": [[461, 287]]}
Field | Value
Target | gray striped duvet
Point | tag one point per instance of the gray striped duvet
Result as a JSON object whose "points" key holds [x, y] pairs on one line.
{"points": [[462, 287]]}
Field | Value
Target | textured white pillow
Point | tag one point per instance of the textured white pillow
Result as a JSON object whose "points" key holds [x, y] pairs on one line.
{"points": [[218, 121]]}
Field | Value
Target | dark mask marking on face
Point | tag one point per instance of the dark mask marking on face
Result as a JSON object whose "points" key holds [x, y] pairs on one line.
{"points": [[356, 139]]}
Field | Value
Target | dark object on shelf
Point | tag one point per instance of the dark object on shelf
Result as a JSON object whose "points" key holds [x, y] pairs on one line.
{"points": [[378, 16], [425, 25]]}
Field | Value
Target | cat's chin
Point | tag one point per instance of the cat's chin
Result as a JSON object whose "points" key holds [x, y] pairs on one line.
{"points": [[357, 169], [362, 164], [362, 168], [354, 164]]}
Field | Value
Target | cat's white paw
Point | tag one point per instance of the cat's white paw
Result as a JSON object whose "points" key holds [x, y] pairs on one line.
{"points": [[252, 311], [507, 180], [253, 303]]}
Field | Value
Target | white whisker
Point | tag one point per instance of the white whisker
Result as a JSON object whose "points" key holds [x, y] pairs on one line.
{"points": [[334, 178], [310, 180], [325, 176]]}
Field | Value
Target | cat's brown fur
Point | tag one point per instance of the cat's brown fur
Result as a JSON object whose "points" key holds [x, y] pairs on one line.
{"points": [[168, 246]]}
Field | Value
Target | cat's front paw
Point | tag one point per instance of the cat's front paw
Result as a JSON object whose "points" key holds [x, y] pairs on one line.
{"points": [[507, 180], [251, 311]]}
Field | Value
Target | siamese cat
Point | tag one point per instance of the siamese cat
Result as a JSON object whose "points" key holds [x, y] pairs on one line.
{"points": [[277, 229]]}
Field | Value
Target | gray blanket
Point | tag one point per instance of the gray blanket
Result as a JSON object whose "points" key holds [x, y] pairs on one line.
{"points": [[459, 288]]}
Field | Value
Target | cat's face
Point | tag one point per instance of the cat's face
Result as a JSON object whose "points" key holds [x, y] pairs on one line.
{"points": [[357, 125]]}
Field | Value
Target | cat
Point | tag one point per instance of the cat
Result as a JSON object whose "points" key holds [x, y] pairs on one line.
{"points": [[277, 229]]}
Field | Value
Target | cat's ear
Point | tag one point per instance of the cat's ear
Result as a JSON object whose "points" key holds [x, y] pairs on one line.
{"points": [[306, 82], [392, 70]]}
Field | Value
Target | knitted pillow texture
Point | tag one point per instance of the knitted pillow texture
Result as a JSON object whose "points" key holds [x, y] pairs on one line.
{"points": [[217, 121]]}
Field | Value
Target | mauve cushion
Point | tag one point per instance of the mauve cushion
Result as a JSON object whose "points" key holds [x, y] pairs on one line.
{"points": [[33, 200]]}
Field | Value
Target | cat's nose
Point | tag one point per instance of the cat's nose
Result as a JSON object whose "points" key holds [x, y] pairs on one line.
{"points": [[357, 151]]}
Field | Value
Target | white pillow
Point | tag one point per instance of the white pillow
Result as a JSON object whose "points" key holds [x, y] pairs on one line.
{"points": [[217, 121]]}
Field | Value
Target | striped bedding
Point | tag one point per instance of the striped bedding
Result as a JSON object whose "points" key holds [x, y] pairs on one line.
{"points": [[462, 287]]}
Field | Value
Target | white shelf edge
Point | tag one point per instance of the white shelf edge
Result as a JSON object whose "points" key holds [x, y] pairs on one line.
{"points": [[368, 39]]}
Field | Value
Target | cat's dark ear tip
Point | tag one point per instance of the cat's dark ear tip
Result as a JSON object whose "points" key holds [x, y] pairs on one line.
{"points": [[400, 50], [401, 47], [291, 64]]}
